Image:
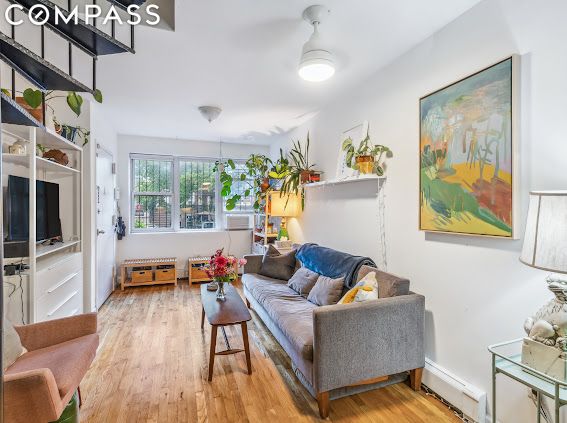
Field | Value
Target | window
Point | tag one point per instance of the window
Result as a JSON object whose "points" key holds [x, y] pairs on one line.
{"points": [[181, 193], [197, 188], [246, 203], [152, 193]]}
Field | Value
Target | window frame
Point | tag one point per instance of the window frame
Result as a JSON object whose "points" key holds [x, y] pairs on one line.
{"points": [[220, 212], [133, 194]]}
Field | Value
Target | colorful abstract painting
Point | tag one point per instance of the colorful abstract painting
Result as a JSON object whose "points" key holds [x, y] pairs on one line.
{"points": [[466, 153]]}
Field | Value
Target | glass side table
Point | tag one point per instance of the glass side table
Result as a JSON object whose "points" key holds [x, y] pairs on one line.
{"points": [[506, 359]]}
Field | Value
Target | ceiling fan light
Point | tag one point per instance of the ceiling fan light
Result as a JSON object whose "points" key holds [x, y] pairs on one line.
{"points": [[316, 70]]}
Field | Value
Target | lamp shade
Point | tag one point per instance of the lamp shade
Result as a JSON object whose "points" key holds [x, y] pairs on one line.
{"points": [[545, 240], [285, 205]]}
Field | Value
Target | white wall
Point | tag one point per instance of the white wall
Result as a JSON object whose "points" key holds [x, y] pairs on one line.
{"points": [[476, 290], [177, 244]]}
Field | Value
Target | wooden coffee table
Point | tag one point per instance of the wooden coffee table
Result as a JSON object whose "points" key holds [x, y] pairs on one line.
{"points": [[231, 311]]}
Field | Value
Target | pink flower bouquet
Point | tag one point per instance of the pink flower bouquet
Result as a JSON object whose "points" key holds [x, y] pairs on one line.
{"points": [[224, 268]]}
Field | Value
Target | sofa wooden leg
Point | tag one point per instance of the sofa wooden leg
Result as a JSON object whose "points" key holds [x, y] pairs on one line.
{"points": [[415, 378], [323, 401]]}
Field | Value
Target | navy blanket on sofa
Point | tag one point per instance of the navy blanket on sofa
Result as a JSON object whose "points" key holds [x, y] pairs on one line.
{"points": [[332, 263]]}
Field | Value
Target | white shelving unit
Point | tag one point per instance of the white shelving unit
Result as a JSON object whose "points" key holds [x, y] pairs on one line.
{"points": [[54, 282], [266, 228]]}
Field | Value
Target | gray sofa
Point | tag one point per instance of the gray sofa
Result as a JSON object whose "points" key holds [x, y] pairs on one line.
{"points": [[343, 349]]}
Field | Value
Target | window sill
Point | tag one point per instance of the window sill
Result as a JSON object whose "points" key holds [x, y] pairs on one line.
{"points": [[188, 231]]}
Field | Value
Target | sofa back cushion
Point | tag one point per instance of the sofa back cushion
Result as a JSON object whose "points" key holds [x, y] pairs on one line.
{"points": [[303, 281], [388, 285], [327, 291], [276, 265]]}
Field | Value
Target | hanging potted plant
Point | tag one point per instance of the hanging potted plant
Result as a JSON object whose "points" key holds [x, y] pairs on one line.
{"points": [[367, 158], [278, 172], [256, 176]]}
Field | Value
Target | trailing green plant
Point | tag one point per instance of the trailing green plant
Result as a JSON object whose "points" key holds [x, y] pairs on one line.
{"points": [[366, 148], [257, 170], [80, 131], [34, 98]]}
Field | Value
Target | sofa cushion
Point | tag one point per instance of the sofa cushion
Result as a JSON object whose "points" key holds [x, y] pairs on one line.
{"points": [[303, 281], [13, 347], [277, 265], [68, 361], [289, 311], [327, 291]]}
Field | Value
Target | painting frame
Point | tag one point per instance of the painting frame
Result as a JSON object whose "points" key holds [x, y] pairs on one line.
{"points": [[514, 153]]}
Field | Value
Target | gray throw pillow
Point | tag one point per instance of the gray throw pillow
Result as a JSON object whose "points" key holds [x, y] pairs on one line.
{"points": [[303, 281], [13, 347], [276, 265], [326, 291]]}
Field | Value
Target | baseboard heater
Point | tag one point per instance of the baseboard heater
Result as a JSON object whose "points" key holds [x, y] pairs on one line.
{"points": [[470, 400]]}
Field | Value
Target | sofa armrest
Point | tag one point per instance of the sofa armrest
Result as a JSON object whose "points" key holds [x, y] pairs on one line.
{"points": [[357, 342], [253, 263], [31, 396], [52, 332]]}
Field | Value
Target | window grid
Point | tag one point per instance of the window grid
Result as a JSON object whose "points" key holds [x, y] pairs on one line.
{"points": [[180, 193], [152, 193], [197, 194]]}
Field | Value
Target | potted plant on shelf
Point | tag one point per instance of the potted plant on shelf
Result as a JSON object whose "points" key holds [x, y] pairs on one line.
{"points": [[223, 269], [367, 158], [31, 100], [70, 132], [300, 170]]}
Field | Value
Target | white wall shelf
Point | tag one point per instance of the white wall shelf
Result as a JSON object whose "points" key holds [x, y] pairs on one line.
{"points": [[46, 137], [50, 166], [344, 181], [44, 250]]}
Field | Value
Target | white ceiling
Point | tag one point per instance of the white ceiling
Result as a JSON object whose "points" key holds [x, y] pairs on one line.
{"points": [[242, 55]]}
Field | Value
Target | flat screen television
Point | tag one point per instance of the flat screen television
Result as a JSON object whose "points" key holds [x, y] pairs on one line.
{"points": [[48, 222]]}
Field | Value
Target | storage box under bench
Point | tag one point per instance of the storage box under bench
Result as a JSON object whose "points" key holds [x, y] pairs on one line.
{"points": [[151, 271]]}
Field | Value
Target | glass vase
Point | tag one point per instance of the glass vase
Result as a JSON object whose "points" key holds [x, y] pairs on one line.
{"points": [[220, 291]]}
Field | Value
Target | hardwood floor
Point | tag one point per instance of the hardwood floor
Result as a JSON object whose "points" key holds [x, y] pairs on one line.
{"points": [[152, 366]]}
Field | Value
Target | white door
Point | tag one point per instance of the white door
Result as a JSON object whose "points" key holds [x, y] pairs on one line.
{"points": [[105, 219]]}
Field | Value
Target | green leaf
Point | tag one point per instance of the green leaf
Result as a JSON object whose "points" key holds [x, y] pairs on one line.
{"points": [[225, 191], [347, 143], [230, 205], [247, 193], [33, 97], [348, 159], [243, 177], [97, 95], [231, 164], [5, 91], [74, 101]]}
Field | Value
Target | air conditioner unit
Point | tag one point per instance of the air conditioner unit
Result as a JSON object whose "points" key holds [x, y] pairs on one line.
{"points": [[237, 222]]}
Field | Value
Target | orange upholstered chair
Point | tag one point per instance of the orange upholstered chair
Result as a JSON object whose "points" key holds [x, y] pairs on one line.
{"points": [[38, 386]]}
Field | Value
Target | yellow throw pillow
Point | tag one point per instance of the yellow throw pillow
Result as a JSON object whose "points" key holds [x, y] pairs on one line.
{"points": [[366, 289]]}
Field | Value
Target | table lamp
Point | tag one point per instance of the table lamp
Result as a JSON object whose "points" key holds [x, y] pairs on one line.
{"points": [[284, 206], [545, 247]]}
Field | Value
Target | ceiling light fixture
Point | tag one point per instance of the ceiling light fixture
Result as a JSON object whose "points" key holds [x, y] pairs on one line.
{"points": [[210, 112], [317, 62]]}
